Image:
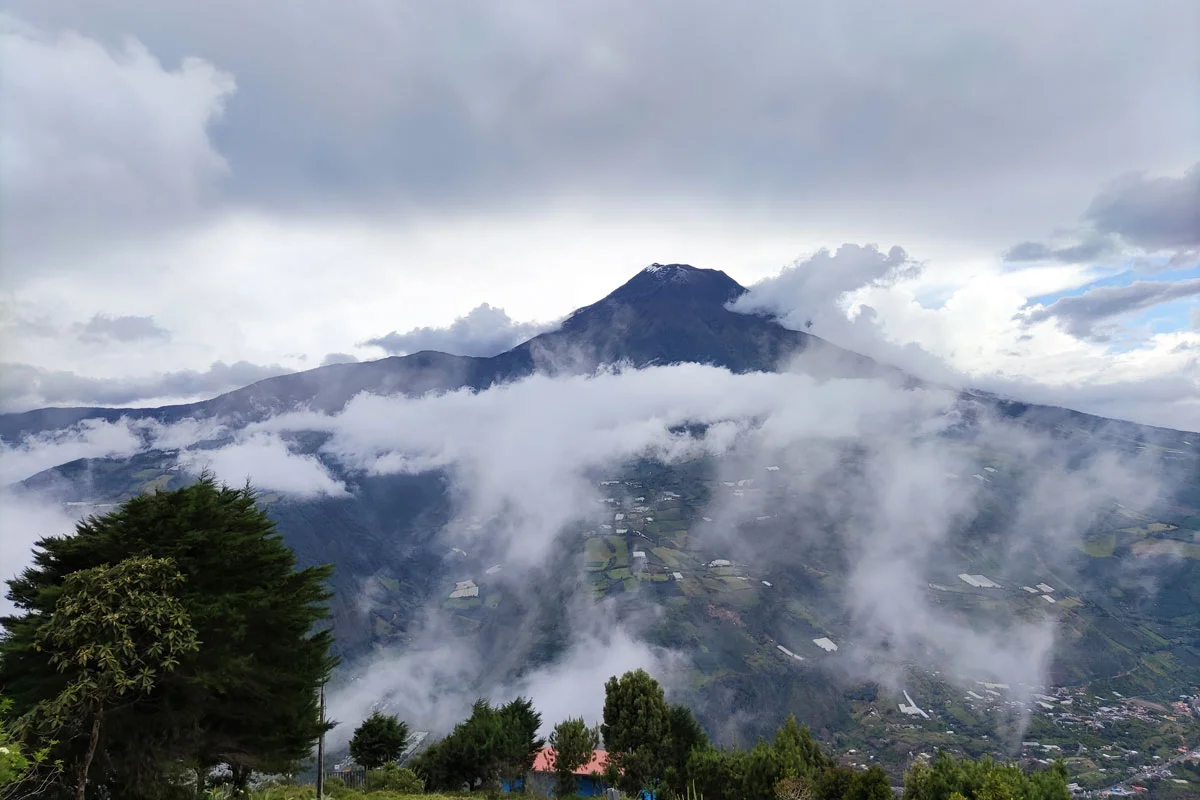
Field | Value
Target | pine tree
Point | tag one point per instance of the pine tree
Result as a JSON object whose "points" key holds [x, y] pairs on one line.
{"points": [[247, 697], [379, 740], [684, 735], [636, 729], [573, 743]]}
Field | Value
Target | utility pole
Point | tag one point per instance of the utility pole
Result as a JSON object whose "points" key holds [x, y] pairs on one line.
{"points": [[321, 751]]}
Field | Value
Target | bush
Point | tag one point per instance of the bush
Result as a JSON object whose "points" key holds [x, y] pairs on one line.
{"points": [[394, 778]]}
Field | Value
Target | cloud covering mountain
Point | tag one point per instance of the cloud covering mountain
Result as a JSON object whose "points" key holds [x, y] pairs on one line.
{"points": [[532, 167]]}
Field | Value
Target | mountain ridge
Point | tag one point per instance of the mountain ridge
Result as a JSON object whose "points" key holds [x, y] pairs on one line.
{"points": [[664, 314]]}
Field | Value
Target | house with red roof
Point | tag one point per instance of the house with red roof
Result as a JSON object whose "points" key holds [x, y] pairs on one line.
{"points": [[590, 779]]}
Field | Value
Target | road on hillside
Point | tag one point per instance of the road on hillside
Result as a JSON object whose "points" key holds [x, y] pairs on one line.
{"points": [[1147, 773]]}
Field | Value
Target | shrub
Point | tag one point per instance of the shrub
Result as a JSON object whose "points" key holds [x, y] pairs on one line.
{"points": [[394, 778]]}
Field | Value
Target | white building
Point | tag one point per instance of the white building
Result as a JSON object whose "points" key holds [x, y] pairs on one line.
{"points": [[978, 581], [464, 589], [825, 644], [789, 653]]}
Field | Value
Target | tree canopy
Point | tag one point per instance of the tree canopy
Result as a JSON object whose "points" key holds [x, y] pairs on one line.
{"points": [[246, 697], [636, 729], [573, 743], [494, 744], [115, 631], [379, 740], [983, 780]]}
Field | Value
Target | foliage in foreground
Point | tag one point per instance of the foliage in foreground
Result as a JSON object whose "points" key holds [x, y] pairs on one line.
{"points": [[983, 780], [246, 697], [493, 745]]}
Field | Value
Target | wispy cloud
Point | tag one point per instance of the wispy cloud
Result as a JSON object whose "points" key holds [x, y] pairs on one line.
{"points": [[1084, 315]]}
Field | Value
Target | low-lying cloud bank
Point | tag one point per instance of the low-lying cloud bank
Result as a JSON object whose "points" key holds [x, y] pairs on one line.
{"points": [[893, 475]]}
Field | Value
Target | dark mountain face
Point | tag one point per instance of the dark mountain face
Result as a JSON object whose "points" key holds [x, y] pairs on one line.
{"points": [[663, 315]]}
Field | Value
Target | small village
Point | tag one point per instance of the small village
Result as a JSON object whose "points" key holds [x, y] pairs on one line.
{"points": [[641, 539]]}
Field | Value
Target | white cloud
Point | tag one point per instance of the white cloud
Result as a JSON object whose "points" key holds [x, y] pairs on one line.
{"points": [[25, 517], [89, 439], [483, 331], [98, 142], [979, 334], [509, 445], [267, 462]]}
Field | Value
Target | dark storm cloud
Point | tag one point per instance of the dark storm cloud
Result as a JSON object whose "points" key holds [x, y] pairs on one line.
{"points": [[911, 110], [1153, 214], [1095, 248], [106, 328], [1082, 315], [23, 386], [484, 331]]}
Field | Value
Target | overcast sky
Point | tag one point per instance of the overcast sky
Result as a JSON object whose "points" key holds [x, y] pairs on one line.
{"points": [[199, 195]]}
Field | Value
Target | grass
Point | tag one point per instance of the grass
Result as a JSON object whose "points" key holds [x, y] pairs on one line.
{"points": [[1100, 546], [599, 554], [620, 550], [310, 793]]}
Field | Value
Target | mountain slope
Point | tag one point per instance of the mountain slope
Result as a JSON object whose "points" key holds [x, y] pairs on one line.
{"points": [[741, 564], [665, 314]]}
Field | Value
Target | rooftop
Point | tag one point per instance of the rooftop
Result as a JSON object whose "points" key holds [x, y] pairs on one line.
{"points": [[544, 762]]}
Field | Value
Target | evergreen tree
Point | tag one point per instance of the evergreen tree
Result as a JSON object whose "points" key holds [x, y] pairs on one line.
{"points": [[799, 753], [684, 734], [871, 785], [492, 745], [636, 729], [834, 782], [573, 743], [248, 696], [379, 740], [520, 724]]}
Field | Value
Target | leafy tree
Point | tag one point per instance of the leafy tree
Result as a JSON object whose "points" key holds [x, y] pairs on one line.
{"points": [[790, 765], [491, 745], [247, 697], [871, 785], [834, 782], [13, 763], [983, 780], [794, 788], [636, 729], [573, 743], [115, 631], [380, 739]]}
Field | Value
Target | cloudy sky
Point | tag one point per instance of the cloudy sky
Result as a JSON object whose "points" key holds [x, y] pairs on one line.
{"points": [[196, 196]]}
